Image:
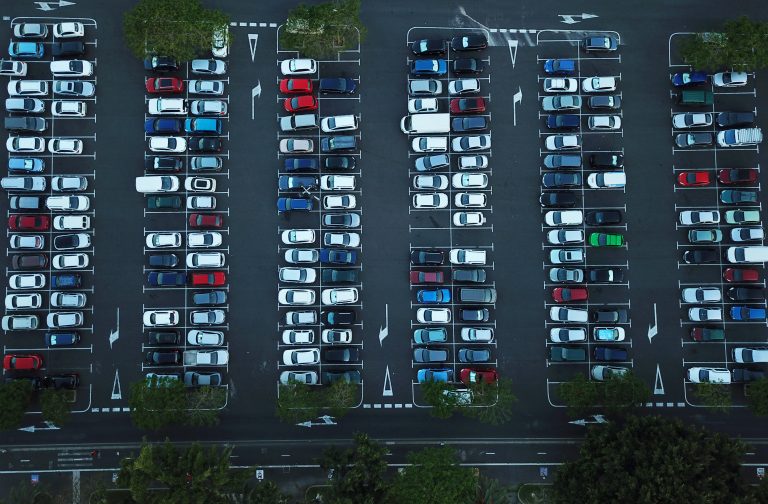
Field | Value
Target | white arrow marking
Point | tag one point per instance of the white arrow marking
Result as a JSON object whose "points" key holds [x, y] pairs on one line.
{"points": [[387, 392], [115, 335], [588, 16], [517, 98], [571, 18], [116, 391], [32, 428], [581, 422], [43, 6], [652, 329], [253, 39], [305, 424], [255, 93], [384, 330], [567, 19], [658, 387], [512, 53]]}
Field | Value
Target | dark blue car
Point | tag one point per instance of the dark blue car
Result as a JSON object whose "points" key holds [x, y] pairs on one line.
{"points": [[564, 121], [66, 281], [606, 354], [337, 85], [685, 79], [334, 256], [434, 296], [288, 182], [288, 204], [429, 67], [300, 164], [166, 279], [67, 338], [560, 67], [474, 123], [747, 313], [162, 126]]}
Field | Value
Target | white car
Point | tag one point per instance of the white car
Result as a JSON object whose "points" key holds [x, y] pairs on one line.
{"points": [[336, 336], [469, 181], [207, 317], [744, 355], [565, 236], [296, 297], [290, 236], [429, 144], [477, 334], [30, 30], [692, 120], [562, 142], [167, 144], [301, 357], [341, 201], [463, 86], [167, 106], [68, 30], [68, 203], [220, 42], [298, 336], [69, 108], [564, 218], [68, 299], [566, 256], [70, 261], [26, 242], [69, 183], [694, 217], [468, 219], [604, 122], [201, 337], [27, 88], [432, 182], [705, 314], [25, 281], [338, 123], [208, 67], [293, 145], [200, 184], [163, 240], [206, 87], [605, 180], [161, 318], [743, 234], [205, 260], [71, 68], [71, 222], [470, 200], [19, 322], [305, 377], [473, 162], [467, 256], [420, 105], [13, 68], [567, 334], [560, 85], [65, 146], [430, 200], [341, 239], [58, 320], [201, 202], [709, 375], [339, 296], [701, 295], [208, 107], [730, 79], [297, 275], [564, 314], [433, 315], [301, 256], [337, 182], [471, 143], [74, 88], [203, 240], [598, 84], [25, 144], [298, 66], [23, 301]]}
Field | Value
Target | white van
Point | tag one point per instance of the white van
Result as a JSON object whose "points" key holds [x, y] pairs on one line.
{"points": [[602, 180], [157, 184], [420, 124], [752, 254]]}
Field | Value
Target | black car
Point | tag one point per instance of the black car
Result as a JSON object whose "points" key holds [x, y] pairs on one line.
{"points": [[164, 202], [475, 314], [732, 119], [202, 144], [428, 47], [339, 163], [562, 161], [604, 102], [163, 338], [163, 260], [29, 261], [336, 318], [427, 257], [701, 256], [345, 220], [163, 358], [161, 64], [736, 197], [329, 377], [564, 121], [599, 43], [610, 316], [72, 48], [341, 355], [605, 275], [163, 164], [562, 179], [468, 66], [602, 217], [474, 123], [335, 276], [68, 242], [216, 297], [746, 294], [687, 140], [62, 381], [300, 164], [606, 160], [746, 374], [337, 85], [558, 199], [471, 42]]}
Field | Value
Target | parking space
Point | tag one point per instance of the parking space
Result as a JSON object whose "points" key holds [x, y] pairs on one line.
{"points": [[583, 190], [320, 210]]}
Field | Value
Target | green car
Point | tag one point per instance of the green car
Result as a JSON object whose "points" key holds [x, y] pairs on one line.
{"points": [[164, 202], [606, 240], [742, 216], [567, 354]]}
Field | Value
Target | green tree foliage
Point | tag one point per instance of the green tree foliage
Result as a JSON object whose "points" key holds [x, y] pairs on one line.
{"points": [[443, 406], [492, 403], [55, 405], [340, 397], [181, 29], [435, 477], [157, 405], [320, 30], [579, 394], [15, 397], [490, 491], [742, 45], [263, 492], [651, 459], [297, 402], [757, 397], [357, 473], [618, 395], [204, 404], [715, 396]]}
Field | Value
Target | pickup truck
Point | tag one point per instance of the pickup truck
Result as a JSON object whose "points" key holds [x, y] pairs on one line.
{"points": [[206, 357], [737, 137]]}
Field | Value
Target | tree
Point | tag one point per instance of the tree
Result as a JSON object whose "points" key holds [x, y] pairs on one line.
{"points": [[181, 29], [15, 397], [340, 397], [357, 473], [715, 396], [158, 404], [204, 404], [443, 406], [617, 395], [757, 397], [297, 402], [579, 394], [490, 491], [263, 492], [321, 30], [742, 45], [434, 477], [652, 459], [492, 403], [55, 405]]}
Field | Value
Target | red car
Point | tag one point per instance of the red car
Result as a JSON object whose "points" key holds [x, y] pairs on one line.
{"points": [[469, 376], [28, 222], [734, 176], [17, 361], [427, 277], [199, 220], [159, 85], [694, 178], [741, 275], [295, 86], [467, 105], [300, 104], [568, 294], [209, 278]]}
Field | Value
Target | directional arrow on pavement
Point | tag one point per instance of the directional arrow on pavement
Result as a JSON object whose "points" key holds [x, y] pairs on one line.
{"points": [[658, 386], [575, 18], [32, 428], [387, 392], [255, 93], [653, 330], [517, 98], [253, 39], [512, 50], [384, 330]]}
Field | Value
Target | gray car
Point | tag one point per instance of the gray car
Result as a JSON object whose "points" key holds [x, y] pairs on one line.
{"points": [[195, 379], [425, 87], [430, 355], [426, 163], [558, 103], [207, 317], [430, 335], [474, 355]]}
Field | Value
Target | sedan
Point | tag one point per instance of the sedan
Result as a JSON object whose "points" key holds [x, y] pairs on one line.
{"points": [[701, 256], [463, 86], [739, 275], [208, 67], [296, 296], [604, 122], [295, 86], [27, 88], [560, 85], [207, 317], [560, 103], [462, 124], [709, 375], [68, 30], [469, 181], [691, 217], [566, 275], [433, 315], [555, 180], [474, 355], [291, 145], [422, 105], [433, 182], [159, 85], [471, 42], [694, 178], [737, 176], [567, 295], [434, 162], [692, 120], [28, 222], [426, 277], [705, 314], [197, 220], [291, 236], [435, 200], [298, 337], [58, 320], [428, 47], [206, 87], [691, 140], [730, 79], [471, 143], [467, 105], [22, 362], [25, 144], [562, 142], [70, 261], [567, 334], [685, 79], [74, 88], [467, 66], [701, 295], [732, 196], [300, 104], [429, 67], [301, 357], [339, 296], [167, 144], [598, 84], [600, 43]]}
